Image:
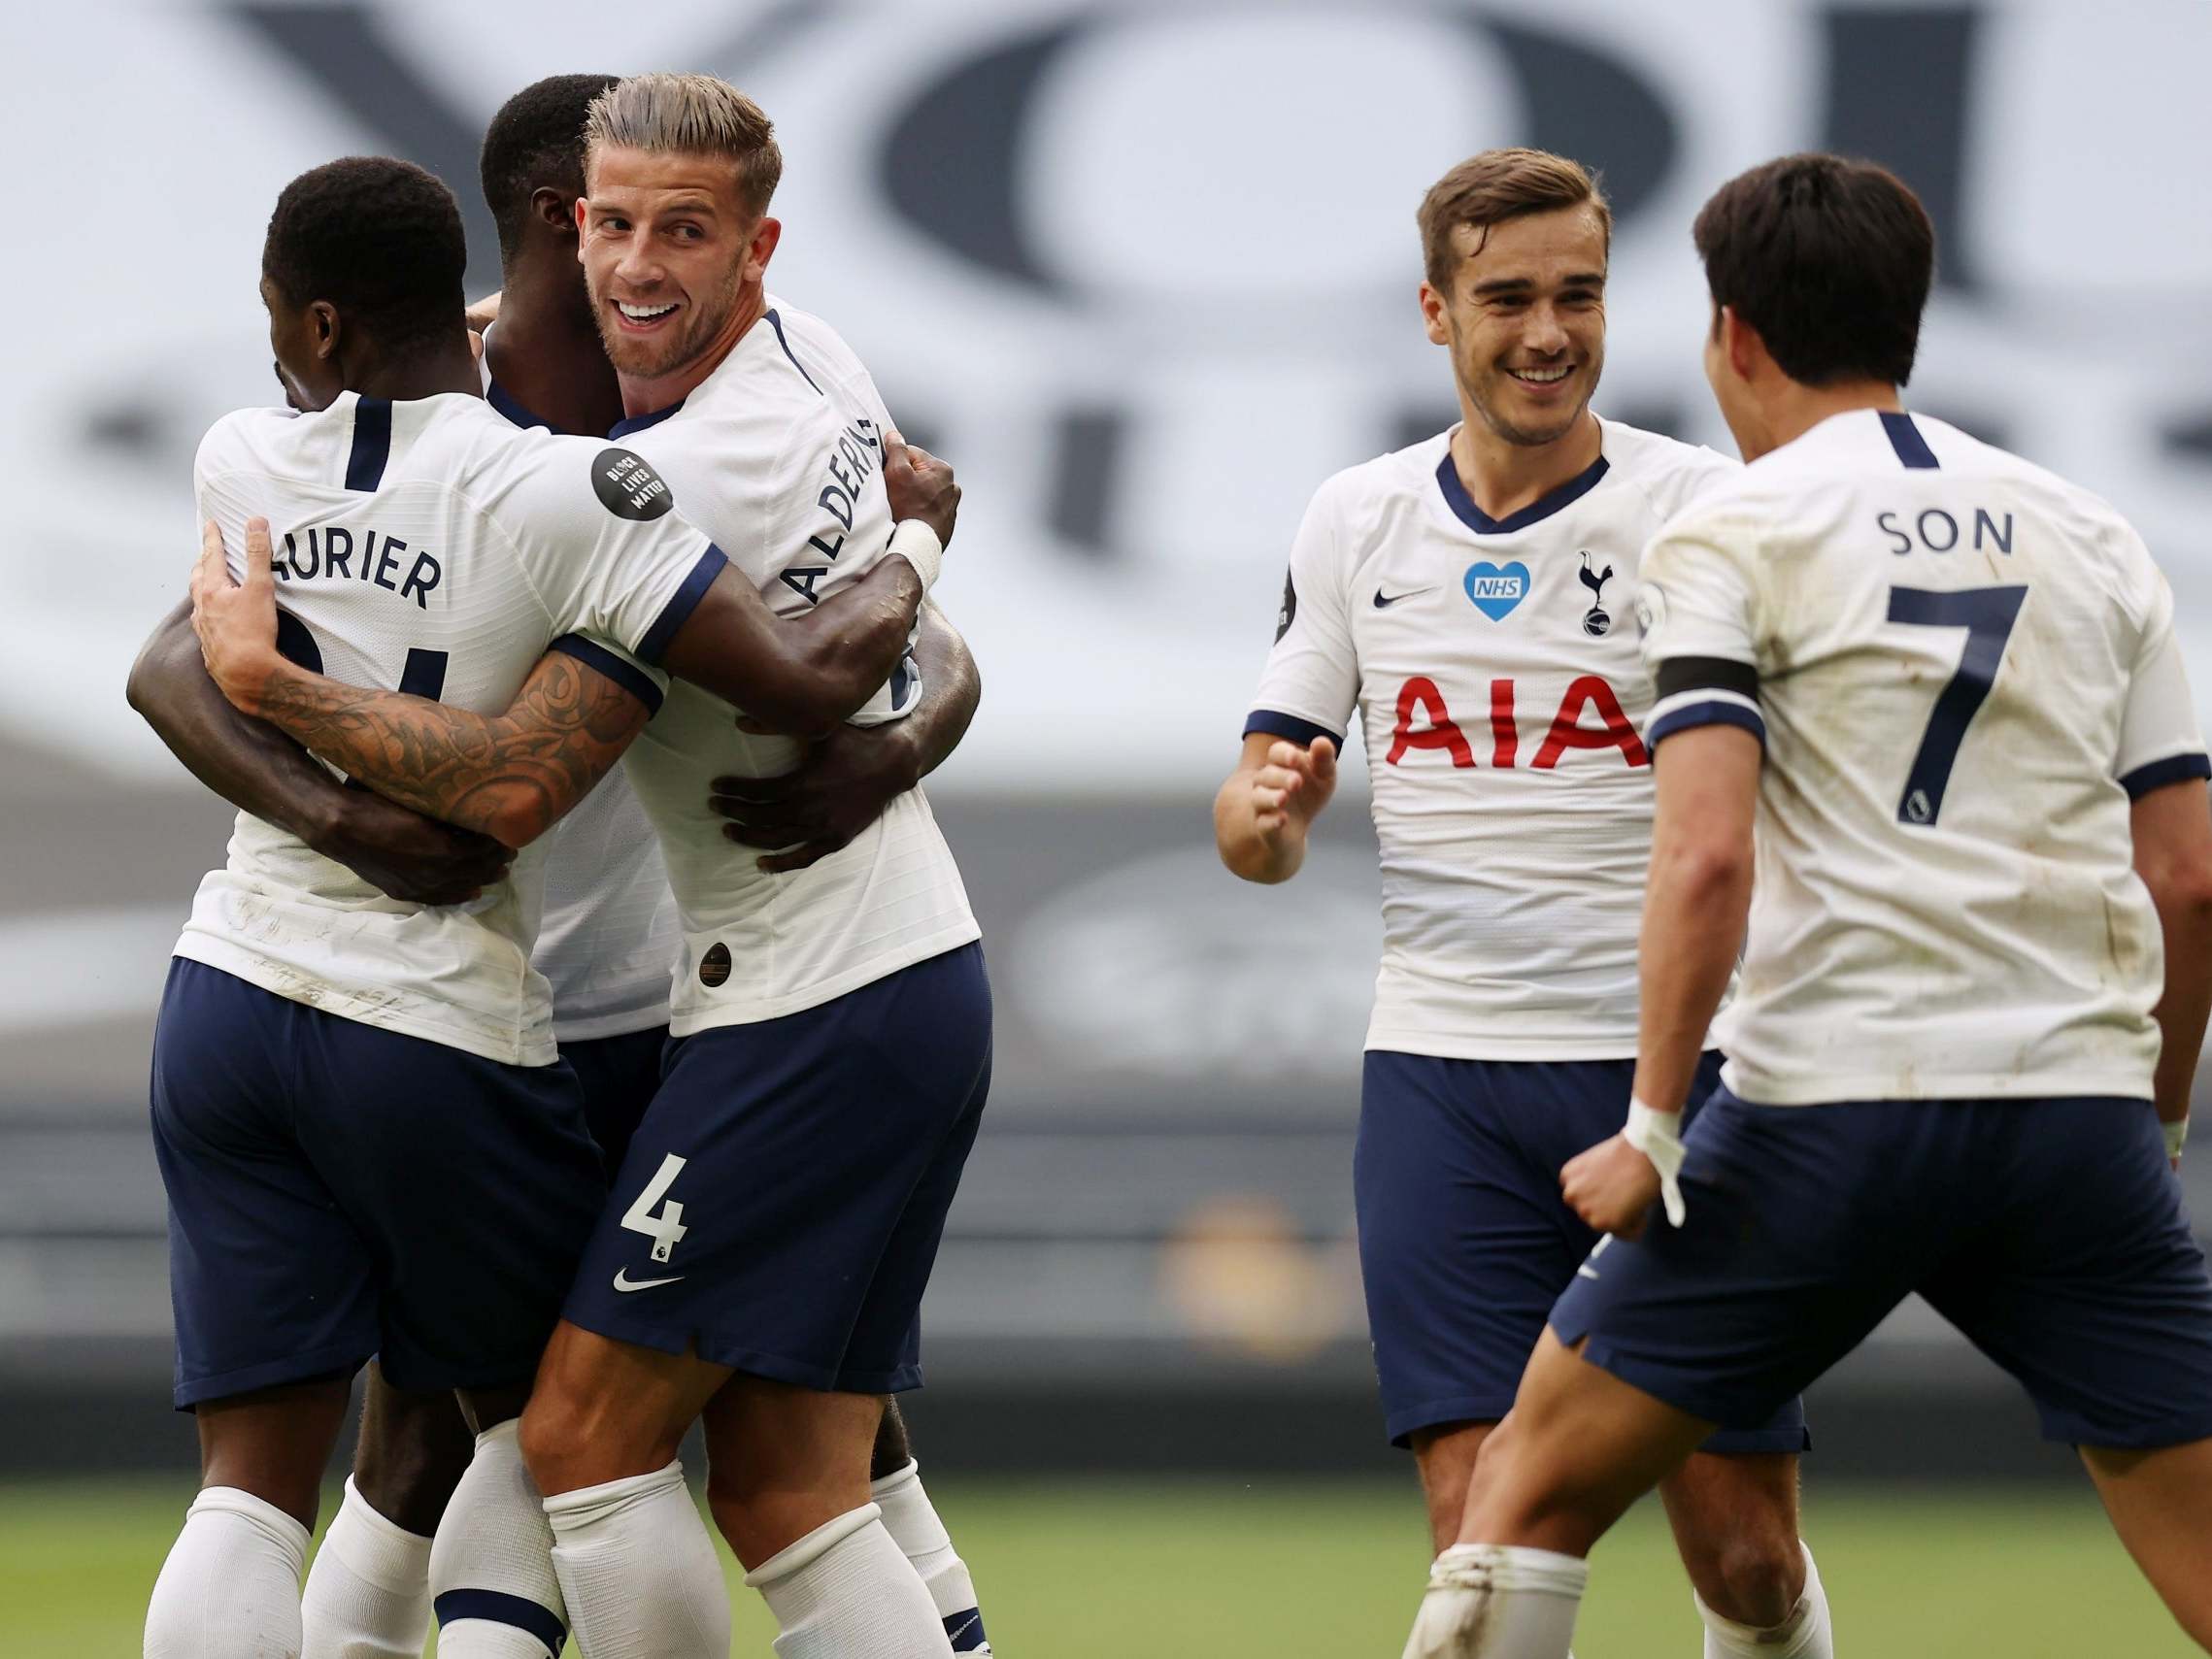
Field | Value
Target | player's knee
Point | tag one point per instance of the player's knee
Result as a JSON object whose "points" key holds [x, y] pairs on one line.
{"points": [[894, 1450], [1752, 1576], [407, 1465]]}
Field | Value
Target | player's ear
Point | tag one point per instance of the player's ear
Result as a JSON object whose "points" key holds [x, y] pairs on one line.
{"points": [[324, 328], [1740, 344], [762, 248], [554, 211], [1432, 315]]}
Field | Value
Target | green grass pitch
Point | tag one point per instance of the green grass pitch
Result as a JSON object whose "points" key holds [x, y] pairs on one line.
{"points": [[1219, 1570]]}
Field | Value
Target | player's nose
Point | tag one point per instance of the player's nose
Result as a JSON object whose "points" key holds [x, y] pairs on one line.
{"points": [[1543, 331]]}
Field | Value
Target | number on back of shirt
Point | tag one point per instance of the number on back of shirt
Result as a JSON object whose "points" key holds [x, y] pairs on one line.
{"points": [[1988, 615], [666, 1228]]}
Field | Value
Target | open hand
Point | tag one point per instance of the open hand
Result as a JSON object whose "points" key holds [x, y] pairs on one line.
{"points": [[236, 621], [839, 788], [1611, 1187], [1293, 786], [921, 486]]}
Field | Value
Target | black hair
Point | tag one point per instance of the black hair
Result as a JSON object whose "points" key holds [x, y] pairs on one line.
{"points": [[536, 139], [380, 239], [1830, 259]]}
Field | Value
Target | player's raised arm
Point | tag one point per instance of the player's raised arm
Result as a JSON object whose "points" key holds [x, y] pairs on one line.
{"points": [[806, 675], [1264, 811], [850, 776], [262, 771]]}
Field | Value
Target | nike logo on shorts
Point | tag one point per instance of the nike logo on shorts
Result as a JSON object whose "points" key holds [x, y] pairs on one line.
{"points": [[1384, 601], [624, 1280]]}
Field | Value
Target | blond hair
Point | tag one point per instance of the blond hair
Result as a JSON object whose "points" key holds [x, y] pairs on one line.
{"points": [[1498, 186], [690, 115]]}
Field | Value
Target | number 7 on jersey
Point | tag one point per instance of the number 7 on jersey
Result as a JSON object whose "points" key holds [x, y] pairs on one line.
{"points": [[1988, 615]]}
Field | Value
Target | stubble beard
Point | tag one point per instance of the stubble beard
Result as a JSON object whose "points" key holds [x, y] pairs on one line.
{"points": [[680, 351], [1526, 437]]}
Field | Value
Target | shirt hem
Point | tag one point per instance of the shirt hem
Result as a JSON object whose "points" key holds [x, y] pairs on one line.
{"points": [[1478, 1046], [754, 1011], [1757, 1088], [284, 982], [592, 1027]]}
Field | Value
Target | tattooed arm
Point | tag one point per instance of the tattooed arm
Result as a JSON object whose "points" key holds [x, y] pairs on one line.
{"points": [[512, 775], [509, 776]]}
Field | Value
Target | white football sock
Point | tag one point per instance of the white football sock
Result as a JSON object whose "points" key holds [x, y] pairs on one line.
{"points": [[843, 1591], [639, 1570], [1805, 1635], [912, 1521], [491, 1573], [230, 1587], [368, 1593], [1496, 1601]]}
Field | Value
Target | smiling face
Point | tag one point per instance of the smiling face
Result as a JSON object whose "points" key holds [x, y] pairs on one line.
{"points": [[1525, 317], [669, 254]]}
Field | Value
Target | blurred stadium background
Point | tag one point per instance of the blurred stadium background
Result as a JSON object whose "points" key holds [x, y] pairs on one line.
{"points": [[1145, 274]]}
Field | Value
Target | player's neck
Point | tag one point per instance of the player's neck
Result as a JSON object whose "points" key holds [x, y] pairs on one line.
{"points": [[447, 367], [1503, 477], [545, 354], [1792, 409], [649, 397]]}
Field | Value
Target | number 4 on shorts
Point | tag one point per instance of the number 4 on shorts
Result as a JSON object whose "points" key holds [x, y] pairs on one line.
{"points": [[668, 1226]]}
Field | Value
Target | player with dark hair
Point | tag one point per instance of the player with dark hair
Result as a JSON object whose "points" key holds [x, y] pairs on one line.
{"points": [[1935, 692], [368, 1142], [1467, 599], [831, 1015]]}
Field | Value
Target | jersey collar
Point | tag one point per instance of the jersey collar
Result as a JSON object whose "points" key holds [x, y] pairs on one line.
{"points": [[1463, 506]]}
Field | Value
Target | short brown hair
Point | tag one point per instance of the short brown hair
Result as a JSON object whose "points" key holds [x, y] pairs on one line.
{"points": [[1498, 186], [1830, 259], [690, 115]]}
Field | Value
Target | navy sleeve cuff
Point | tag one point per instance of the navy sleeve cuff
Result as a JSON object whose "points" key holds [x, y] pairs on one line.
{"points": [[679, 608], [1689, 713], [622, 673], [1290, 726], [2174, 769]]}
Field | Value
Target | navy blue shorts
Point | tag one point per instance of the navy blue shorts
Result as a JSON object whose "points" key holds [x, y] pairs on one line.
{"points": [[1464, 1240], [2051, 1232], [337, 1190], [620, 1076], [782, 1202]]}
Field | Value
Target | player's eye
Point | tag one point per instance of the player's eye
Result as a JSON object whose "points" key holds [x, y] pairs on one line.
{"points": [[687, 233]]}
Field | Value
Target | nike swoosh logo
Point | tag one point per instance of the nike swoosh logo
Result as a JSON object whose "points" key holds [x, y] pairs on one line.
{"points": [[1384, 601], [623, 1282]]}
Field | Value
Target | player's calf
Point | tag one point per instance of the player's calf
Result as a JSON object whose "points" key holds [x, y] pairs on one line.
{"points": [[491, 1576], [791, 1491], [1735, 1523], [636, 1567], [1446, 1456]]}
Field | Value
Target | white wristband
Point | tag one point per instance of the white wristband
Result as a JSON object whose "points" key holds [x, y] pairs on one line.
{"points": [[1657, 1135], [918, 545], [2177, 1135]]}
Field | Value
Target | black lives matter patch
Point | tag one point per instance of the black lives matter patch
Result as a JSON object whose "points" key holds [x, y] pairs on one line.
{"points": [[1290, 611], [629, 488], [713, 966]]}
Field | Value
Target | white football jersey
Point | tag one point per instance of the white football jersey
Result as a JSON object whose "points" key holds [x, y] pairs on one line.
{"points": [[777, 454], [429, 546], [1495, 667], [1963, 669], [608, 936]]}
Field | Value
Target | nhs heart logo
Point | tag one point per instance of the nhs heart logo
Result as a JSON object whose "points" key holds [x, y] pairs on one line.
{"points": [[1495, 592]]}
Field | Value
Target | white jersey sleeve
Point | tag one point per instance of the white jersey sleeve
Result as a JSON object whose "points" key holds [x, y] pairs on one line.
{"points": [[1310, 686], [599, 537], [1697, 609], [2160, 742]]}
